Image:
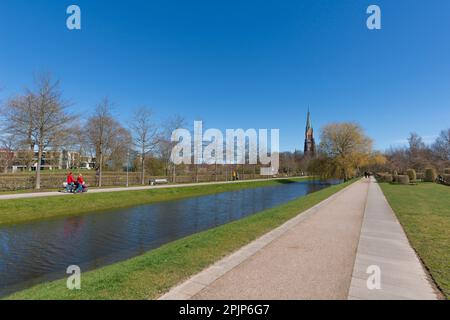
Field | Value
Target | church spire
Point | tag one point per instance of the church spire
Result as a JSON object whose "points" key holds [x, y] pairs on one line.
{"points": [[308, 121], [310, 144]]}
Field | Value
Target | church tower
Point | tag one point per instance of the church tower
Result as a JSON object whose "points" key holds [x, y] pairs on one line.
{"points": [[310, 144]]}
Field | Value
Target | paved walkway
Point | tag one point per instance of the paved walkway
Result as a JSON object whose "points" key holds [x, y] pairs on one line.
{"points": [[313, 256], [310, 257], [56, 193], [384, 244]]}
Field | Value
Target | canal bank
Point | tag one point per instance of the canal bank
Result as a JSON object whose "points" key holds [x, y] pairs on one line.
{"points": [[42, 250], [155, 272], [23, 208]]}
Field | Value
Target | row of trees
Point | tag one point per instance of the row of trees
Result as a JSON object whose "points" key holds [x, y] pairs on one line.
{"points": [[345, 151], [419, 156], [39, 120]]}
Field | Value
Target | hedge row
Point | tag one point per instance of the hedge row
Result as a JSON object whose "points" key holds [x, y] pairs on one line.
{"points": [[430, 175]]}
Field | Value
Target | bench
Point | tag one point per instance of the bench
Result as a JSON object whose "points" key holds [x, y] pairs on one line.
{"points": [[158, 181]]}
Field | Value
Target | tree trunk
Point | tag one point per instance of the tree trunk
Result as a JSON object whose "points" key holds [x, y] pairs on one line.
{"points": [[30, 157], [100, 169], [215, 170], [31, 144], [143, 168], [38, 168]]}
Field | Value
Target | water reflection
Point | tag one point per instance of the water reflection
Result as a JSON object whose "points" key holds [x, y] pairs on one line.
{"points": [[40, 251]]}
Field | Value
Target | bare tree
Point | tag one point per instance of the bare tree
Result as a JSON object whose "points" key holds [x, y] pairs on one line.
{"points": [[145, 135], [107, 137], [165, 144], [121, 144], [442, 145], [415, 142], [419, 154], [100, 131], [8, 145], [77, 140], [398, 159], [39, 118], [50, 117], [18, 115]]}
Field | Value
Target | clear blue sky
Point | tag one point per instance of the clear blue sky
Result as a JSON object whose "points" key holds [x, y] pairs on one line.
{"points": [[241, 63]]}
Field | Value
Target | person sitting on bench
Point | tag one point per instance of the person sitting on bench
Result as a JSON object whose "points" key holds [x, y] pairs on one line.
{"points": [[80, 184], [70, 182]]}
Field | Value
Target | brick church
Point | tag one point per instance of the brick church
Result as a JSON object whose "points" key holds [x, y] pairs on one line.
{"points": [[310, 144]]}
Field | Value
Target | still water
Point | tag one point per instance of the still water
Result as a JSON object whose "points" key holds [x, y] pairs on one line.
{"points": [[35, 252]]}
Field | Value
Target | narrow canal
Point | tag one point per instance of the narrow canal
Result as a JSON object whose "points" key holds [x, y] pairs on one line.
{"points": [[40, 251]]}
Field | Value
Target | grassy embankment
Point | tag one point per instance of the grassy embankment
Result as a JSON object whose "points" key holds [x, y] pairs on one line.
{"points": [[424, 212], [25, 191], [23, 210], [155, 272]]}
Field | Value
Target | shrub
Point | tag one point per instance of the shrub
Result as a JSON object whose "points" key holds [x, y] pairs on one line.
{"points": [[394, 176], [446, 171], [420, 176], [403, 179], [411, 174], [430, 175], [384, 177]]}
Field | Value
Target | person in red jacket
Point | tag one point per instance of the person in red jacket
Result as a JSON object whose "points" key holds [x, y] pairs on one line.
{"points": [[70, 182], [80, 183]]}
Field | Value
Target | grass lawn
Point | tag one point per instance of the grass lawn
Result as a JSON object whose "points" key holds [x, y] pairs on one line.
{"points": [[22, 210], [24, 191], [155, 272], [424, 212]]}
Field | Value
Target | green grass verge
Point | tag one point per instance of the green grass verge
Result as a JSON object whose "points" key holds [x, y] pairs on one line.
{"points": [[23, 210], [424, 212], [155, 272], [25, 191]]}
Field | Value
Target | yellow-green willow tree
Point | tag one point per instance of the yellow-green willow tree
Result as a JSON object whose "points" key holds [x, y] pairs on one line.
{"points": [[343, 151]]}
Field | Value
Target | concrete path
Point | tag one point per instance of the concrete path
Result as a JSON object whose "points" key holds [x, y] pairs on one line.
{"points": [[384, 245], [319, 255], [55, 193], [310, 257]]}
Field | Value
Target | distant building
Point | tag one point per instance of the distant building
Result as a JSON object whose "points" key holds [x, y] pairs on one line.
{"points": [[87, 163], [310, 143], [51, 160]]}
